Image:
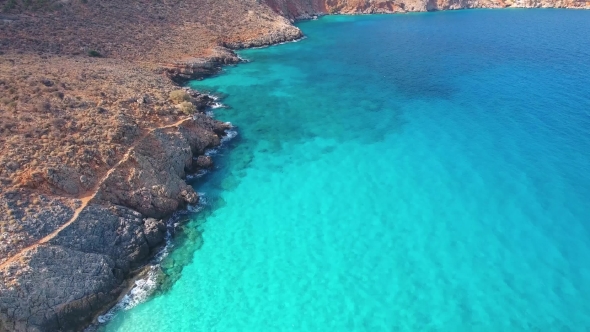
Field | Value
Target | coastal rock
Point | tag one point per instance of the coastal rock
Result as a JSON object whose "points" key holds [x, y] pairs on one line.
{"points": [[204, 162], [61, 283], [155, 231], [151, 179], [204, 133], [79, 271], [12, 166], [198, 68], [30, 218], [200, 100], [116, 232], [284, 33], [125, 131], [53, 287]]}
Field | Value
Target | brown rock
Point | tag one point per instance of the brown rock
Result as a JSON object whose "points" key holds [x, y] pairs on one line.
{"points": [[204, 162], [155, 231]]}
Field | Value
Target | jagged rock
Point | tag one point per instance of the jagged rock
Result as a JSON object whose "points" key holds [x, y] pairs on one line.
{"points": [[64, 178], [125, 131], [81, 270], [204, 162], [155, 231], [162, 156], [53, 288], [197, 68], [83, 267], [285, 33], [297, 9]]}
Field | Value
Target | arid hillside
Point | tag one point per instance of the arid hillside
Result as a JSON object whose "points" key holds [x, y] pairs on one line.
{"points": [[75, 74], [80, 81], [147, 31]]}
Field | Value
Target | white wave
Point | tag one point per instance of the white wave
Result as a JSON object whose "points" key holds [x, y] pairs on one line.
{"points": [[203, 200], [202, 172], [144, 287], [281, 43], [196, 175], [230, 134], [300, 39], [214, 97], [195, 208], [139, 293], [211, 152]]}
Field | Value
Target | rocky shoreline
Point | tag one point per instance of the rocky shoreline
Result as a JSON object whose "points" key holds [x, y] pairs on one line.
{"points": [[61, 283], [79, 271]]}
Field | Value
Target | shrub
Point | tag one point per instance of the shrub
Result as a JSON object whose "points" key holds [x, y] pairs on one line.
{"points": [[187, 108], [94, 54], [179, 96], [10, 4]]}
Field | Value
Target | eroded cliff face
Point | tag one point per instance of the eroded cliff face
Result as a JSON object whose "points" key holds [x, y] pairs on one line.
{"points": [[301, 9]]}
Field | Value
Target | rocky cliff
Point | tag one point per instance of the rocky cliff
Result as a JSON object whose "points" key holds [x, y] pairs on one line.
{"points": [[296, 9]]}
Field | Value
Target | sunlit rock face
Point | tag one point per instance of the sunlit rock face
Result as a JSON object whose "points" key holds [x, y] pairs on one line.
{"points": [[301, 9]]}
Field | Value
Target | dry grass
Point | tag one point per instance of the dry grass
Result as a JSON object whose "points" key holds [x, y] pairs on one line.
{"points": [[63, 123], [73, 113], [147, 30]]}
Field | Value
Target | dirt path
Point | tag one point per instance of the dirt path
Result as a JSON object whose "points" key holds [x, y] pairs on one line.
{"points": [[87, 199]]}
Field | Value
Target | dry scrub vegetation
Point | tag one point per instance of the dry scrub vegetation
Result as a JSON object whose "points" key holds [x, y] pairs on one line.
{"points": [[63, 127], [141, 30]]}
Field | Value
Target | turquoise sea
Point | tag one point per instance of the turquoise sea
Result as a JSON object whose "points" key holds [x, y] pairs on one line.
{"points": [[419, 172]]}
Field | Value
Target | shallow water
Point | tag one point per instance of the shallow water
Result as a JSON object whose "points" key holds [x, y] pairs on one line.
{"points": [[421, 172]]}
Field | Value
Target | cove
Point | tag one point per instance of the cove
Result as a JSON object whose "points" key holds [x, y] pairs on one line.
{"points": [[420, 172]]}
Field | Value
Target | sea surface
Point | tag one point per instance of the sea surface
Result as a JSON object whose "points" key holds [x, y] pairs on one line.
{"points": [[419, 172]]}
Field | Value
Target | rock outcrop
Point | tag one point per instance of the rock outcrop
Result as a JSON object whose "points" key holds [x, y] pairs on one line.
{"points": [[56, 285], [151, 179]]}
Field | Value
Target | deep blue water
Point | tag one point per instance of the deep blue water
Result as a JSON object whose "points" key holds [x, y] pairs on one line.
{"points": [[420, 172]]}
